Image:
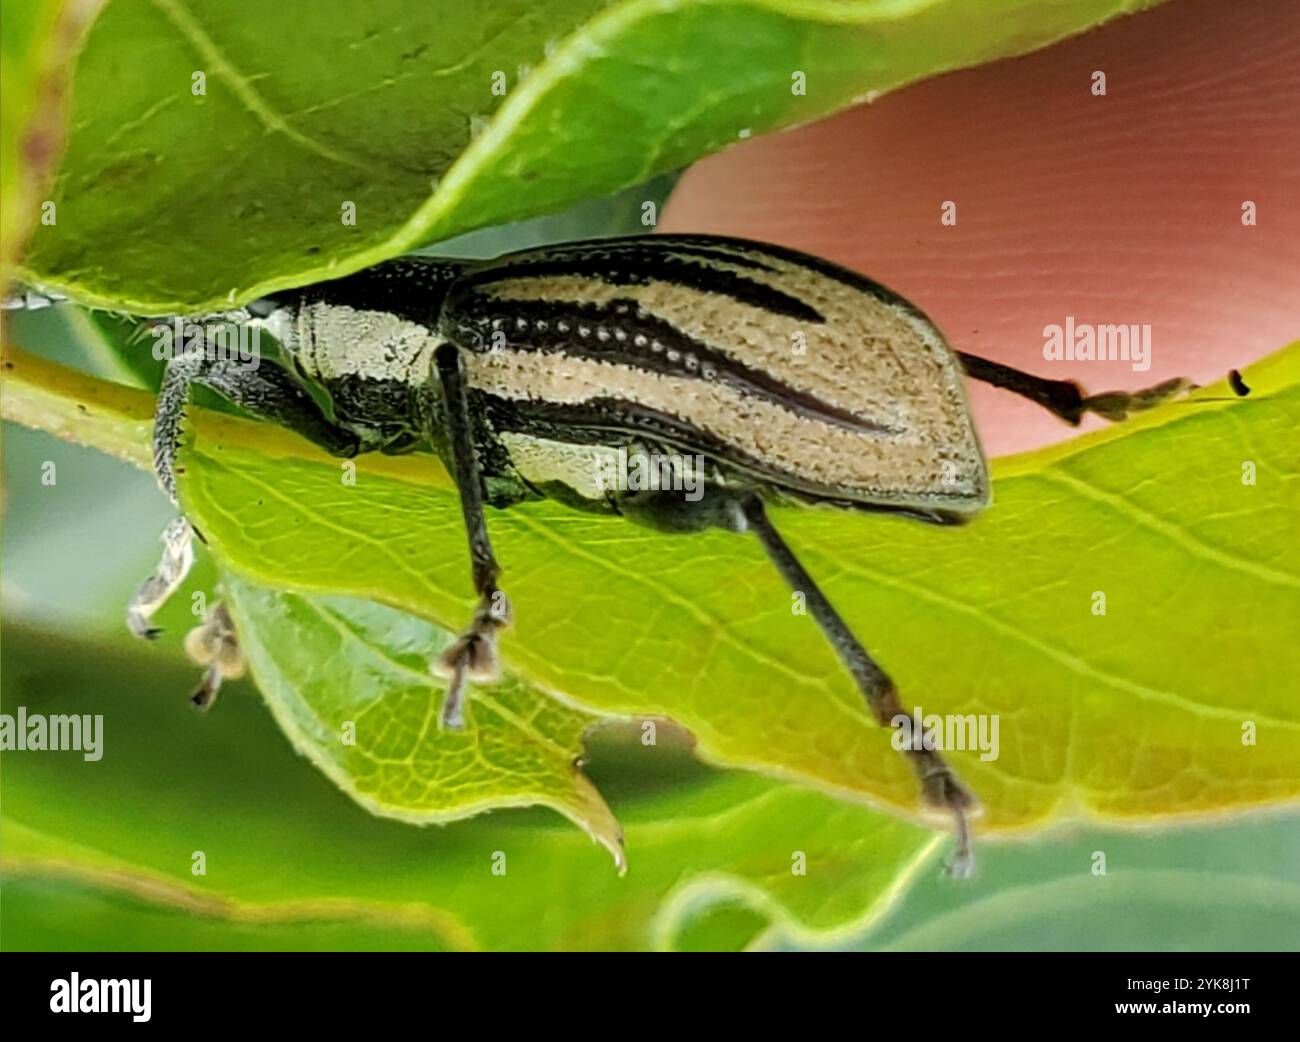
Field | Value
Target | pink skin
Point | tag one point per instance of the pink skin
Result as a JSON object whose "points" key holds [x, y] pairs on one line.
{"points": [[1118, 209]]}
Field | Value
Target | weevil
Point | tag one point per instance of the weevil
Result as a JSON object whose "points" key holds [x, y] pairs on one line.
{"points": [[790, 378]]}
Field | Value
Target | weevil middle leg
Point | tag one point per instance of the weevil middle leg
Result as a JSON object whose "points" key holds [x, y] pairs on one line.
{"points": [[263, 389], [473, 654]]}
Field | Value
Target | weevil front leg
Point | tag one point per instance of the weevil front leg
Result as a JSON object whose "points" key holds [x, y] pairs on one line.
{"points": [[473, 655], [263, 389], [1065, 398], [178, 536]]}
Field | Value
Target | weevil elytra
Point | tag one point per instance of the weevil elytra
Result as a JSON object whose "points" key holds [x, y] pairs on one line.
{"points": [[789, 377]]}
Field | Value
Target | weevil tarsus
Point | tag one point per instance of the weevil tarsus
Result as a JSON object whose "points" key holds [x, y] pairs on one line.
{"points": [[1065, 398], [1120, 405], [174, 565], [215, 646]]}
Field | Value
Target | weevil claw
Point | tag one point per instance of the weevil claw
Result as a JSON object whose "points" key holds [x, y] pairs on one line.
{"points": [[472, 655], [942, 790], [140, 627], [1118, 405], [174, 565], [206, 693]]}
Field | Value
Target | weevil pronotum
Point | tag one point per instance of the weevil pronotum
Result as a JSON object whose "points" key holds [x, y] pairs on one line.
{"points": [[792, 378]]}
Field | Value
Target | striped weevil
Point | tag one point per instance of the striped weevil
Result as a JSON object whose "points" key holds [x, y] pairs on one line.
{"points": [[526, 372]]}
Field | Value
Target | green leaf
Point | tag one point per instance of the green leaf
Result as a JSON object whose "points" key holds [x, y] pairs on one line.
{"points": [[101, 854], [172, 199], [348, 682], [1137, 713]]}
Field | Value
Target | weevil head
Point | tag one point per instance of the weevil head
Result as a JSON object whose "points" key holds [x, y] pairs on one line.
{"points": [[367, 339]]}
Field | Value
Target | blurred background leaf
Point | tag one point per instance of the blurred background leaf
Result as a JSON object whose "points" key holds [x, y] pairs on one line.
{"points": [[99, 854], [1227, 885]]}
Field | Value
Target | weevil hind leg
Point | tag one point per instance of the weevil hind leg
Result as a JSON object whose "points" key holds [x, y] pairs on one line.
{"points": [[939, 784], [1065, 398], [473, 654], [743, 511]]}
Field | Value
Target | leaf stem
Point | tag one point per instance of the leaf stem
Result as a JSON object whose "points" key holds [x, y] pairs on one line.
{"points": [[74, 406], [118, 420]]}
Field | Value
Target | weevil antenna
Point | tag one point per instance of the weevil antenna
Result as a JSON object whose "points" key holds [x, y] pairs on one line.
{"points": [[939, 783]]}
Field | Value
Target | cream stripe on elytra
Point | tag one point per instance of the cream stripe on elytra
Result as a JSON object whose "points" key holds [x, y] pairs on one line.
{"points": [[868, 355], [919, 465]]}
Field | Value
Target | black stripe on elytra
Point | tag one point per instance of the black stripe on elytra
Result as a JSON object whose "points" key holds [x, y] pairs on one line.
{"points": [[593, 421], [752, 248], [649, 343], [702, 247], [749, 253], [629, 266]]}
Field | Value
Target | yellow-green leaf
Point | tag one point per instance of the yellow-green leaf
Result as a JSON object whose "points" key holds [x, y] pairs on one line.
{"points": [[101, 855], [348, 682], [1177, 701], [1145, 711]]}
